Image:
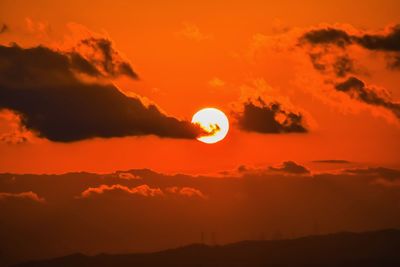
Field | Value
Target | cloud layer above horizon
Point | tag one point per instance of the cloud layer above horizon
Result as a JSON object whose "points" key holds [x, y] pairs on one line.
{"points": [[132, 209]]}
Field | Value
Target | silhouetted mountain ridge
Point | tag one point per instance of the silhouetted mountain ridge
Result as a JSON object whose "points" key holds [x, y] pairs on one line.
{"points": [[375, 248]]}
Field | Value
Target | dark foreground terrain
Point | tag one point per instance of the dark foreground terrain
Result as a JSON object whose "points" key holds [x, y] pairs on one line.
{"points": [[379, 248]]}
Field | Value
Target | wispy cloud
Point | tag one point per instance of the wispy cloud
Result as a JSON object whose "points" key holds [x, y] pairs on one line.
{"points": [[24, 195], [191, 31]]}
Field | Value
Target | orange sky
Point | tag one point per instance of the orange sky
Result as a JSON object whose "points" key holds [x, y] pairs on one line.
{"points": [[211, 54], [98, 153]]}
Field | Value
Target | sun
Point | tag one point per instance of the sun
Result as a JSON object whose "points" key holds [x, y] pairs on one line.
{"points": [[214, 122]]}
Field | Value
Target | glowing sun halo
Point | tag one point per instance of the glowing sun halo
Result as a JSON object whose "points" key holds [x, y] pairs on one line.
{"points": [[213, 121]]}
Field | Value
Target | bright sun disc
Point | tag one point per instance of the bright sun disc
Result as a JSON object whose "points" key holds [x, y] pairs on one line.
{"points": [[213, 121]]}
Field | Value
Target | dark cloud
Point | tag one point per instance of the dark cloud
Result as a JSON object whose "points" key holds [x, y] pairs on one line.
{"points": [[79, 63], [119, 218], [290, 167], [382, 42], [101, 53], [340, 66], [45, 88], [328, 55], [379, 172], [357, 89], [388, 42], [327, 36], [334, 161], [271, 117], [4, 28], [343, 65], [315, 59]]}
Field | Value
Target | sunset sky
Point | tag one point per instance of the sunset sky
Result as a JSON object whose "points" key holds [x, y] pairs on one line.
{"points": [[212, 54], [107, 90]]}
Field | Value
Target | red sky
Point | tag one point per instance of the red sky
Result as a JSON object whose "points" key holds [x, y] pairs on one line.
{"points": [[311, 91], [190, 56]]}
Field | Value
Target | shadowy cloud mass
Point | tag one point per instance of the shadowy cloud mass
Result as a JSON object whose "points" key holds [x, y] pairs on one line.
{"points": [[357, 89], [58, 97], [290, 167], [380, 172], [333, 161], [259, 116], [388, 42], [101, 53]]}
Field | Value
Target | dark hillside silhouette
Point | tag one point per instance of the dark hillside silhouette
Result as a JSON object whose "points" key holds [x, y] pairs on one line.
{"points": [[378, 248]]}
